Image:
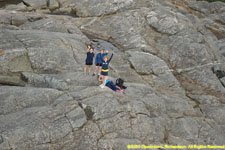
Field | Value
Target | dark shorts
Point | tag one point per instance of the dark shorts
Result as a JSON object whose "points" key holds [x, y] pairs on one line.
{"points": [[98, 64], [89, 63], [104, 73]]}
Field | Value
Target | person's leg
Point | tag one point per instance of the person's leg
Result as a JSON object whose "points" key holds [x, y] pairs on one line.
{"points": [[96, 68], [120, 91], [109, 85], [85, 68], [100, 78], [89, 68], [104, 79], [99, 70], [113, 86]]}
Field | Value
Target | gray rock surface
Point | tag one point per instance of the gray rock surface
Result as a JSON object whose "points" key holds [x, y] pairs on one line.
{"points": [[223, 81], [44, 81], [221, 44], [170, 54], [18, 7], [148, 64], [36, 4], [14, 18], [102, 7], [208, 8], [167, 22]]}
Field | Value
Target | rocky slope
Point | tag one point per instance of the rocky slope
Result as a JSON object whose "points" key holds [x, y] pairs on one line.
{"points": [[171, 56]]}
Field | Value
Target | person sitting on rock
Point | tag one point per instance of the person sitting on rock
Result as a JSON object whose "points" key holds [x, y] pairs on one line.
{"points": [[112, 86], [105, 69], [89, 59], [98, 61]]}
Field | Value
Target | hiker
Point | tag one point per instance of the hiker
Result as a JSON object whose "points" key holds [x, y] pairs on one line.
{"points": [[89, 59], [105, 69], [98, 61], [112, 86]]}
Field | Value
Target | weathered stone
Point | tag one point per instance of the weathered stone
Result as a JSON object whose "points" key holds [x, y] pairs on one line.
{"points": [[182, 128], [207, 8], [20, 98], [36, 4], [40, 50], [167, 22], [52, 4], [18, 7], [223, 81], [17, 18], [222, 47], [125, 29], [148, 64], [111, 106], [11, 80], [216, 113], [44, 81], [45, 25], [190, 57], [100, 7]]}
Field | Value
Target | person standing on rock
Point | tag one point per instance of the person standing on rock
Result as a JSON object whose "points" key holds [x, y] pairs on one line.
{"points": [[98, 61], [105, 69], [89, 59]]}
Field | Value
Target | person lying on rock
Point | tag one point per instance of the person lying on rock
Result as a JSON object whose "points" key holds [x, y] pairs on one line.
{"points": [[105, 69], [112, 86], [89, 59], [98, 61]]}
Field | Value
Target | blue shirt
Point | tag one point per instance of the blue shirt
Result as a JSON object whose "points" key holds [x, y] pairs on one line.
{"points": [[98, 59], [90, 57], [107, 81]]}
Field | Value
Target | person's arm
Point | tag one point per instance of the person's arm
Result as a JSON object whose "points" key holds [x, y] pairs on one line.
{"points": [[87, 50], [96, 58], [106, 52], [110, 58], [101, 57]]}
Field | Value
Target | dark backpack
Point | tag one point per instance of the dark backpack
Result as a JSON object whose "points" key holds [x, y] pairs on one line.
{"points": [[120, 82], [220, 73]]}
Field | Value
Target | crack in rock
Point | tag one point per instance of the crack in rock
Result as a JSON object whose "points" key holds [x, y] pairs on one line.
{"points": [[1, 139], [69, 123]]}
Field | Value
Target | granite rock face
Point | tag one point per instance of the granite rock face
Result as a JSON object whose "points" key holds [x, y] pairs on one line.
{"points": [[171, 55]]}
